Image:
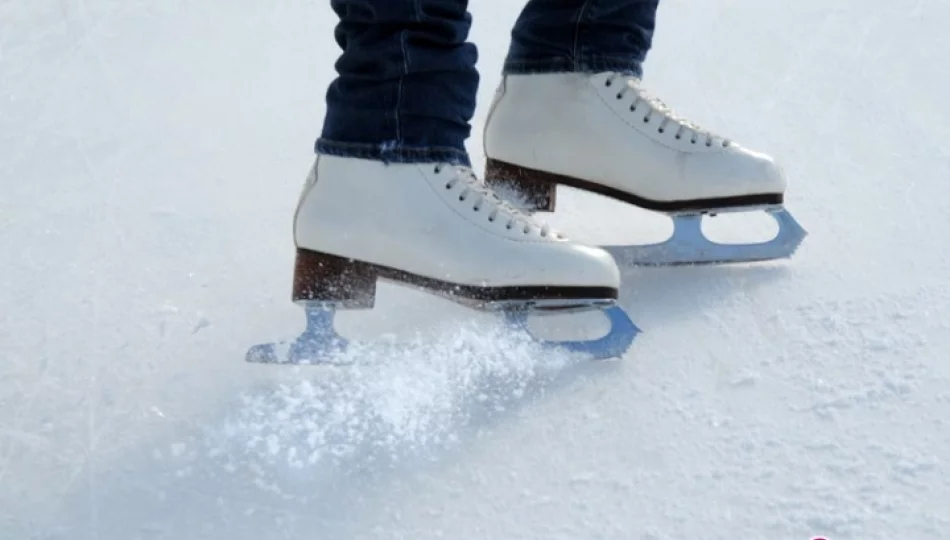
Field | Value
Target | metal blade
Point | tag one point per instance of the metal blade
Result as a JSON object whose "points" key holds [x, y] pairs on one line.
{"points": [[613, 345], [320, 344], [689, 246]]}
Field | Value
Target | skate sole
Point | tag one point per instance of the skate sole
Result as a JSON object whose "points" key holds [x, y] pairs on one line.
{"points": [[539, 190], [351, 284]]}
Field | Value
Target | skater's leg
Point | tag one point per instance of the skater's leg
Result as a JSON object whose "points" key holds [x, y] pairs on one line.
{"points": [[554, 36], [391, 193], [406, 84]]}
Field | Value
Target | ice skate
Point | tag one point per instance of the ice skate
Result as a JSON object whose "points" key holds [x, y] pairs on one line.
{"points": [[605, 134], [436, 228]]}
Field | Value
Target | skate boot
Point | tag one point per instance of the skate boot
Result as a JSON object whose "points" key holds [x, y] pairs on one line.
{"points": [[605, 134], [435, 227]]}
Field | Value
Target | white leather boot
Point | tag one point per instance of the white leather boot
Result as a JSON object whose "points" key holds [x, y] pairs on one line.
{"points": [[603, 133], [435, 227]]}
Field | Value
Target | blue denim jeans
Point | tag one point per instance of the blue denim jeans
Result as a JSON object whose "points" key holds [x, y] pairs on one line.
{"points": [[407, 82]]}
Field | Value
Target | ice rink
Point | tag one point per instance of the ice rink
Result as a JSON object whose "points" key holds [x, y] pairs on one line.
{"points": [[151, 154]]}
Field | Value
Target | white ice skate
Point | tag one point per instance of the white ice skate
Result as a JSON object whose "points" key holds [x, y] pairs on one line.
{"points": [[437, 228], [603, 133]]}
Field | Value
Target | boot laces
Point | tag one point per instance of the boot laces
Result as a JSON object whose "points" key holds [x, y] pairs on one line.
{"points": [[655, 106], [484, 198]]}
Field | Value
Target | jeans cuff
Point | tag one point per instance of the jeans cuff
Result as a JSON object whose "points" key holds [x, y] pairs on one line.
{"points": [[591, 64], [391, 152]]}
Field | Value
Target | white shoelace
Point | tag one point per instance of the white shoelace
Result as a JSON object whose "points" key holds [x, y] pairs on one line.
{"points": [[658, 107], [484, 198]]}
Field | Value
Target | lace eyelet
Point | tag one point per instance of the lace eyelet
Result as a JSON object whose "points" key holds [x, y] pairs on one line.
{"points": [[619, 96], [646, 120], [608, 83], [448, 186], [437, 169], [660, 130]]}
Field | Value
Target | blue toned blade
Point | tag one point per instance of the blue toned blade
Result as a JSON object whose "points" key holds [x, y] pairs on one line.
{"points": [[689, 245], [613, 345], [321, 344], [318, 343]]}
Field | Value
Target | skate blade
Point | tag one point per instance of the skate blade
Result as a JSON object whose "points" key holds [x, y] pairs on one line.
{"points": [[320, 344], [689, 246]]}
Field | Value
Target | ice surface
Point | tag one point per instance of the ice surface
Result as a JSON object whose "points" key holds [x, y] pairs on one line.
{"points": [[150, 155]]}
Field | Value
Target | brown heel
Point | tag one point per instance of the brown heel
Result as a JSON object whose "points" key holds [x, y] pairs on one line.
{"points": [[536, 188], [319, 277]]}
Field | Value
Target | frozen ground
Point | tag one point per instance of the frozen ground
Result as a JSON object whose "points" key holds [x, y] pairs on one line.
{"points": [[150, 155]]}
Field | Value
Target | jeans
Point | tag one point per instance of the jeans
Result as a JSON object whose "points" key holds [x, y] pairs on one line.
{"points": [[407, 82]]}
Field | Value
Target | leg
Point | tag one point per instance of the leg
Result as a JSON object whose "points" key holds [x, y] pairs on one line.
{"points": [[583, 59], [391, 194], [407, 81], [554, 36]]}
